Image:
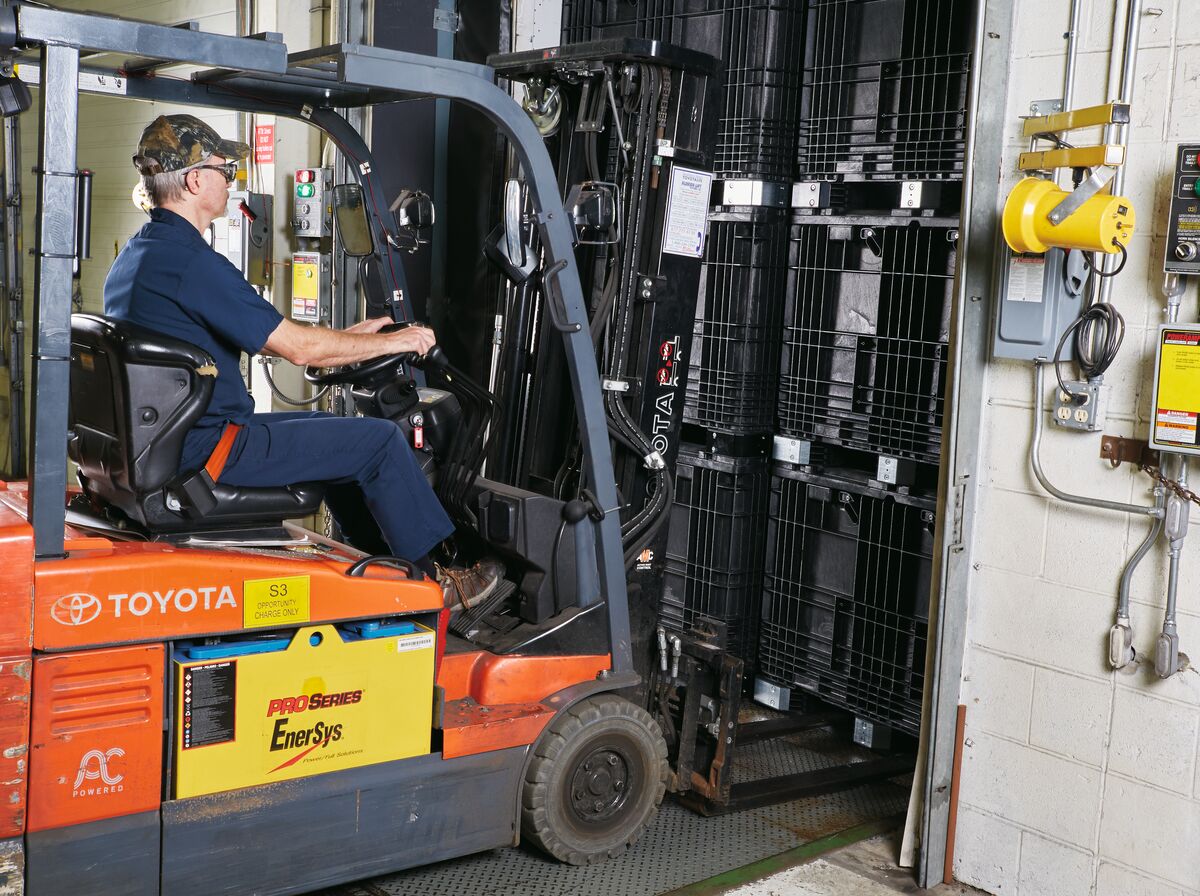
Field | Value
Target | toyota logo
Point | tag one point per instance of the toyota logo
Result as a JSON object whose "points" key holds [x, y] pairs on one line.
{"points": [[75, 609]]}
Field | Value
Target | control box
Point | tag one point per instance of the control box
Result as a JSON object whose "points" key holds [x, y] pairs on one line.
{"points": [[1176, 404], [312, 212], [310, 287], [1183, 225], [243, 235]]}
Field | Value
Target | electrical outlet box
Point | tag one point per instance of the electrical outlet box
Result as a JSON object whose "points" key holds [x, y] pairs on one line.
{"points": [[1083, 410]]}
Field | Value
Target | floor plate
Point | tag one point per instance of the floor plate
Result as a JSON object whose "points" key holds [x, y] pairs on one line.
{"points": [[681, 847]]}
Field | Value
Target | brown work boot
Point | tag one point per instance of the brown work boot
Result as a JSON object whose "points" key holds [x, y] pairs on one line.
{"points": [[463, 589]]}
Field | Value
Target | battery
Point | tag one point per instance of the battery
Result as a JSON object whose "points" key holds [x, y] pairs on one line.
{"points": [[271, 709]]}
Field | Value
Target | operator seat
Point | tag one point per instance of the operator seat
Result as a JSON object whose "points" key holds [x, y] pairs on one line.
{"points": [[134, 395]]}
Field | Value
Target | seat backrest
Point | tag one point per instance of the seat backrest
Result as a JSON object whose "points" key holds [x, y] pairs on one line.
{"points": [[134, 395]]}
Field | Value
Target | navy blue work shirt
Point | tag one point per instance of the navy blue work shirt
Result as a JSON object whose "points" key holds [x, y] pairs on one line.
{"points": [[168, 279]]}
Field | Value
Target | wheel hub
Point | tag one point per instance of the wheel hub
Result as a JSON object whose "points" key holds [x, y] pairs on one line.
{"points": [[599, 785]]}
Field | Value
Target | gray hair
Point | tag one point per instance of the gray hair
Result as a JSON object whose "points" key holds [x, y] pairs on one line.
{"points": [[167, 186]]}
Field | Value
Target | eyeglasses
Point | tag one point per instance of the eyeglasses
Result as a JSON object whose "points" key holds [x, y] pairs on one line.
{"points": [[228, 170]]}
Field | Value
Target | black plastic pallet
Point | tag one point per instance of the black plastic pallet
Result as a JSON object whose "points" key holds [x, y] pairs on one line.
{"points": [[760, 43], [845, 611], [714, 556], [884, 90], [866, 325], [734, 366]]}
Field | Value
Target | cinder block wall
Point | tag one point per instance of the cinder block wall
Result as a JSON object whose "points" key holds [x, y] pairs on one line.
{"points": [[1077, 780]]}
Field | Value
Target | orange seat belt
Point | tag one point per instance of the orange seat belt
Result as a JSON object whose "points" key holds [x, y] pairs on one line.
{"points": [[220, 454]]}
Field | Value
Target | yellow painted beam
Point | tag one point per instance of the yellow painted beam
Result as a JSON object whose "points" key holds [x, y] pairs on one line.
{"points": [[1092, 116], [1078, 157]]}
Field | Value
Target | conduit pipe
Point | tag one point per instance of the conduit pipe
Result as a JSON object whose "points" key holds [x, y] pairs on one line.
{"points": [[1116, 133], [1035, 461]]}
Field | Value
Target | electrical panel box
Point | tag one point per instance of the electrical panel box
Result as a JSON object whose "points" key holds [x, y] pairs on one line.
{"points": [[1039, 297], [310, 286], [243, 235], [1176, 404], [1183, 227], [312, 212]]}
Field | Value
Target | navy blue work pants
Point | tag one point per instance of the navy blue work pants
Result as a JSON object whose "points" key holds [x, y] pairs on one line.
{"points": [[368, 453]]}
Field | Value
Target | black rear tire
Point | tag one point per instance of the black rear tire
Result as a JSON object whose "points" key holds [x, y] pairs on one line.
{"points": [[595, 782]]}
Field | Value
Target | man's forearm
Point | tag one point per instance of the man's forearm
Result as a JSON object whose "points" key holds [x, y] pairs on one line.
{"points": [[323, 347]]}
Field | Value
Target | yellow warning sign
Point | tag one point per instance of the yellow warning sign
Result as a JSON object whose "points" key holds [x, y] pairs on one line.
{"points": [[1177, 390], [271, 602]]}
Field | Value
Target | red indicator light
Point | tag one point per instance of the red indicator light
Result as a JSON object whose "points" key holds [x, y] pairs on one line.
{"points": [[304, 176]]}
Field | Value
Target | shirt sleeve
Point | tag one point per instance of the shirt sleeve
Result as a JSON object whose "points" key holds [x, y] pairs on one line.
{"points": [[218, 294]]}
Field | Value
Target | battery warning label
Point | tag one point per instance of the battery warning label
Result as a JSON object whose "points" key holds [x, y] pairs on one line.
{"points": [[209, 704], [1177, 412]]}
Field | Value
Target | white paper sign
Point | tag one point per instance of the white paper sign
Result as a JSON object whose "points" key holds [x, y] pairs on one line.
{"points": [[687, 212]]}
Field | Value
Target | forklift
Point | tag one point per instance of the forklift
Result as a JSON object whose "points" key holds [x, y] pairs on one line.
{"points": [[198, 696]]}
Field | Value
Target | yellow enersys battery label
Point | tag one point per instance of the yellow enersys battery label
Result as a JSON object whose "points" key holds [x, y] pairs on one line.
{"points": [[329, 701], [275, 602]]}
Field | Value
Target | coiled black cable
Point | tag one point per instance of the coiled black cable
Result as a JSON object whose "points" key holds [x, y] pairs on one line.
{"points": [[1099, 332]]}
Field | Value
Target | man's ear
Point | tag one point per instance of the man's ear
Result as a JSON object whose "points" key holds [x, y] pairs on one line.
{"points": [[188, 174]]}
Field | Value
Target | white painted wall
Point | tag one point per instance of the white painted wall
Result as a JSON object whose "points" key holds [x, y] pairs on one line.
{"points": [[109, 129], [1077, 780]]}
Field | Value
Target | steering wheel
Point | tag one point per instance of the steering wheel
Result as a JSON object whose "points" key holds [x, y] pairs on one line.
{"points": [[356, 373], [373, 367]]}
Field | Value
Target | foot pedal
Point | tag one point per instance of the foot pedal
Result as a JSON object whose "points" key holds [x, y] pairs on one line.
{"points": [[466, 621]]}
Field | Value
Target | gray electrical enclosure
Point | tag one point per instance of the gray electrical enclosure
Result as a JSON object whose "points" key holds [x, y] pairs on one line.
{"points": [[1037, 300]]}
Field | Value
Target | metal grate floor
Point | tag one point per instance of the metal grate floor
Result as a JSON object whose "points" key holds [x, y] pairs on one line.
{"points": [[680, 847]]}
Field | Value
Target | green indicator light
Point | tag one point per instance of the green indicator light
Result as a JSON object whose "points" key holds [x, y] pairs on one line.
{"points": [[304, 191]]}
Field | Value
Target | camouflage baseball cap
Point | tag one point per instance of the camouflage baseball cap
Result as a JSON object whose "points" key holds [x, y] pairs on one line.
{"points": [[172, 142]]}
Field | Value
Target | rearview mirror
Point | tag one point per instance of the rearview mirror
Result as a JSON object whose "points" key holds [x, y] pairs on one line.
{"points": [[514, 245], [350, 220]]}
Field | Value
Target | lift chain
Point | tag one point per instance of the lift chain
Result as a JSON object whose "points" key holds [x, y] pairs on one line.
{"points": [[1182, 491]]}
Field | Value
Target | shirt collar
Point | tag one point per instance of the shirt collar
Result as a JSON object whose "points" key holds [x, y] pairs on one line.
{"points": [[178, 223]]}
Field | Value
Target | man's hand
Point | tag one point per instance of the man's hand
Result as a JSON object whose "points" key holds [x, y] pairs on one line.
{"points": [[370, 325], [415, 339]]}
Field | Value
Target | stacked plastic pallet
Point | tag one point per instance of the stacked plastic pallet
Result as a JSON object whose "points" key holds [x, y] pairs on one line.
{"points": [[715, 552], [822, 322], [880, 152]]}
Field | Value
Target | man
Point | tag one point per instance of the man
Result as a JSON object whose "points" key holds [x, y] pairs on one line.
{"points": [[168, 279]]}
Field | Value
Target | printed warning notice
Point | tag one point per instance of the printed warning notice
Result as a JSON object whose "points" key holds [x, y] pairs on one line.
{"points": [[209, 704], [270, 602], [1025, 278], [687, 212], [1177, 392], [1176, 427]]}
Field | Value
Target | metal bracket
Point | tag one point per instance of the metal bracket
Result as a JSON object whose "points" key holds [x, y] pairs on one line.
{"points": [[1040, 108], [1081, 194], [1119, 450], [960, 498], [447, 20]]}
